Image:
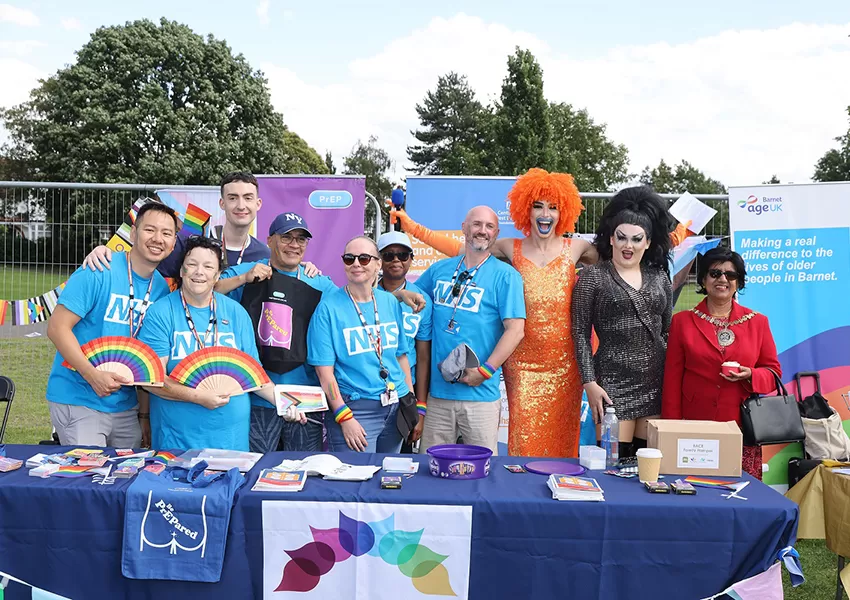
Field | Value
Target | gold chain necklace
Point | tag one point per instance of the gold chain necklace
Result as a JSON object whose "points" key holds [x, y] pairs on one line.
{"points": [[725, 336]]}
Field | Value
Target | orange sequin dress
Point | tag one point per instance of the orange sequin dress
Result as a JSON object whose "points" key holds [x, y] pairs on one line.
{"points": [[541, 376]]}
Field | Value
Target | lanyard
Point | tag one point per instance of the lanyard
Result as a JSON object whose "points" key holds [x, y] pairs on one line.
{"points": [[213, 326], [466, 282], [376, 344], [144, 307], [241, 252]]}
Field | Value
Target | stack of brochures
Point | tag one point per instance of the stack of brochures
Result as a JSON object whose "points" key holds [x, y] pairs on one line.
{"points": [[280, 481], [575, 488], [329, 467]]}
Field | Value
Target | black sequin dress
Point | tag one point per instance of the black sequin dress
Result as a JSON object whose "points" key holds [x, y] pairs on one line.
{"points": [[632, 327]]}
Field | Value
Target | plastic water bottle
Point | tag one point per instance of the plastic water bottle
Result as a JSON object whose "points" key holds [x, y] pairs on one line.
{"points": [[611, 437]]}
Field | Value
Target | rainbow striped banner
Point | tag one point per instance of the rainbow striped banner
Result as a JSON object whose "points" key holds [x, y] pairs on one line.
{"points": [[3, 304], [195, 221]]}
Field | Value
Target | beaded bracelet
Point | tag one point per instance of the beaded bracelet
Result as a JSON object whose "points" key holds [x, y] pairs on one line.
{"points": [[421, 407], [487, 370], [343, 413]]}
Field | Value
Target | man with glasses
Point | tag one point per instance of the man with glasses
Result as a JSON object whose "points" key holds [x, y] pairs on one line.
{"points": [[479, 305], [397, 257], [281, 299]]}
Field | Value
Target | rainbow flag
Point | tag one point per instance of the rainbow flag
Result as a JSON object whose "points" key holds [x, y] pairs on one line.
{"points": [[715, 483], [194, 221], [71, 471], [164, 457], [3, 304]]}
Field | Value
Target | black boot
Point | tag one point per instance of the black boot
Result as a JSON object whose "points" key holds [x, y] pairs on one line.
{"points": [[627, 450], [639, 443]]}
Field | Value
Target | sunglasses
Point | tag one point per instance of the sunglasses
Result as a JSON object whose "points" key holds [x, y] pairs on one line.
{"points": [[716, 273], [459, 284], [363, 259], [391, 256]]}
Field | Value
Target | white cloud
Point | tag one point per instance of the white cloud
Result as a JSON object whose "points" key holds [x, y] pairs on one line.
{"points": [[18, 16], [18, 79], [740, 105], [263, 11], [71, 23], [20, 48]]}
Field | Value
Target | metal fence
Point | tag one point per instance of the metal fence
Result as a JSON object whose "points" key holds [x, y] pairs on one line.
{"points": [[46, 229]]}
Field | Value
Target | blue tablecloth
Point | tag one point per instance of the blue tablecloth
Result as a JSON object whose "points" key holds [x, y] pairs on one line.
{"points": [[65, 535]]}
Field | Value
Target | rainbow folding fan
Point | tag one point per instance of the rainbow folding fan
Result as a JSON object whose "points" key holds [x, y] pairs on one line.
{"points": [[221, 369], [127, 357]]}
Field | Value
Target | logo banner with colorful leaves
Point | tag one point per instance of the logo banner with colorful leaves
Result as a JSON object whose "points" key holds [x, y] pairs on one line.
{"points": [[365, 551]]}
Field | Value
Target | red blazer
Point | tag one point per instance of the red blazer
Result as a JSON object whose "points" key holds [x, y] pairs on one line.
{"points": [[693, 387]]}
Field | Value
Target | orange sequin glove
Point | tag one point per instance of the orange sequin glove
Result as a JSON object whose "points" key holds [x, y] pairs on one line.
{"points": [[678, 235], [442, 243]]}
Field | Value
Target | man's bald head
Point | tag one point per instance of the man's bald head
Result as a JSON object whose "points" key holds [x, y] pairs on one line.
{"points": [[481, 228]]}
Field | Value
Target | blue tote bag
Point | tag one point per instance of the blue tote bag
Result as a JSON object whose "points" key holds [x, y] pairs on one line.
{"points": [[175, 524]]}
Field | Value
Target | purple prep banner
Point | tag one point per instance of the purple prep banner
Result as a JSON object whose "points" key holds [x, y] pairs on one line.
{"points": [[333, 207]]}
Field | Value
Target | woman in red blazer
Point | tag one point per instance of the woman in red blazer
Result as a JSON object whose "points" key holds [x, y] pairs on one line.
{"points": [[718, 330]]}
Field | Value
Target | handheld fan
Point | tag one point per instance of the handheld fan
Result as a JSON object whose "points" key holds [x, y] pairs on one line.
{"points": [[127, 357], [220, 369]]}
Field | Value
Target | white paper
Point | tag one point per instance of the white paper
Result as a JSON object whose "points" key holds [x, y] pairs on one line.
{"points": [[329, 467], [698, 454], [688, 208]]}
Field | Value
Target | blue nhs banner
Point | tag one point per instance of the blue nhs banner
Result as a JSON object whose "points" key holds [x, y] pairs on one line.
{"points": [[357, 338]]}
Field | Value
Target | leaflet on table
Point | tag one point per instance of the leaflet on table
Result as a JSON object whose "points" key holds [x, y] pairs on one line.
{"points": [[217, 460], [305, 398], [280, 481], [329, 467], [575, 488]]}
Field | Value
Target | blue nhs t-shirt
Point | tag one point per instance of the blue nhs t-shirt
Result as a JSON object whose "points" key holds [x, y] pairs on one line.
{"points": [[101, 299], [186, 424], [417, 326], [336, 338], [305, 374], [495, 294]]}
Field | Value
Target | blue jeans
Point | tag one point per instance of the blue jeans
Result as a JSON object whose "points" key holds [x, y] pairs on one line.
{"points": [[382, 434], [270, 433]]}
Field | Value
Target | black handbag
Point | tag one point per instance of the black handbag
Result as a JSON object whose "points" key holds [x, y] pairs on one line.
{"points": [[769, 420]]}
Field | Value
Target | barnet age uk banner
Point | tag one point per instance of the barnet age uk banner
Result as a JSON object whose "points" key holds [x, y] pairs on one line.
{"points": [[795, 241]]}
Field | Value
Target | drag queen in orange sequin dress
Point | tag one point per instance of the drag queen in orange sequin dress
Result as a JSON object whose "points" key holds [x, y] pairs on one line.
{"points": [[542, 378]]}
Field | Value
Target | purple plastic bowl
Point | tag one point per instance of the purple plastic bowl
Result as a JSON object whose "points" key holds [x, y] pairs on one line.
{"points": [[459, 461]]}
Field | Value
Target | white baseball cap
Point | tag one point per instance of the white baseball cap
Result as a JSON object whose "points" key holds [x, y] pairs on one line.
{"points": [[394, 237]]}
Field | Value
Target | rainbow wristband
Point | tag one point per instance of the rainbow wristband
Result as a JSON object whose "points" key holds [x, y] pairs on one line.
{"points": [[421, 407], [487, 370], [343, 413]]}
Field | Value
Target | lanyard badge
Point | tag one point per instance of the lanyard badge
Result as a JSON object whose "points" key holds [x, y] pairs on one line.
{"points": [[390, 396], [144, 306]]}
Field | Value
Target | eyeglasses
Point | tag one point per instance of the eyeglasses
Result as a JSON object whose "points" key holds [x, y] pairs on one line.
{"points": [[459, 283], [716, 273], [287, 239], [363, 259], [391, 256]]}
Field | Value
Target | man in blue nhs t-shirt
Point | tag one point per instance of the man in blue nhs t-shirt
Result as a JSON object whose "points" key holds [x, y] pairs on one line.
{"points": [[280, 285], [478, 301], [90, 407]]}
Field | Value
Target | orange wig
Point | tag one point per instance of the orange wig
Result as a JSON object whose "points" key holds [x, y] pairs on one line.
{"points": [[557, 188]]}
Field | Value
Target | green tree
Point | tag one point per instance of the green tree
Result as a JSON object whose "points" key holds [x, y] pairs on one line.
{"points": [[454, 130], [773, 180], [299, 157], [682, 178], [155, 103], [329, 163], [835, 164], [522, 130], [374, 162], [581, 148]]}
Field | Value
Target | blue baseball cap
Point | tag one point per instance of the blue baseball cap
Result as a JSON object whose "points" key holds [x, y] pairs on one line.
{"points": [[286, 222]]}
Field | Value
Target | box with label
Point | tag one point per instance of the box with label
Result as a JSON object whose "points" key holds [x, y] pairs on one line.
{"points": [[697, 447]]}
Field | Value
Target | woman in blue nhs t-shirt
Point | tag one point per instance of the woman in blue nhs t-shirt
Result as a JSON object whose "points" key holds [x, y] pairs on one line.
{"points": [[357, 344], [186, 320]]}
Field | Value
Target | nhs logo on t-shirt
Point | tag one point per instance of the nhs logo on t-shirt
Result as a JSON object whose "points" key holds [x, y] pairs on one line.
{"points": [[357, 340], [470, 297], [185, 343], [119, 307], [411, 324]]}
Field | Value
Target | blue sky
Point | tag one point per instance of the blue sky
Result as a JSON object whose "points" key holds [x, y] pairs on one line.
{"points": [[721, 84]]}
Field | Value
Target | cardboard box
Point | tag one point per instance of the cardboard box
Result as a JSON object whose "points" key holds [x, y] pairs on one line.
{"points": [[697, 447]]}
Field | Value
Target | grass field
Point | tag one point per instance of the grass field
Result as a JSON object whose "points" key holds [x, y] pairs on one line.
{"points": [[28, 360]]}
